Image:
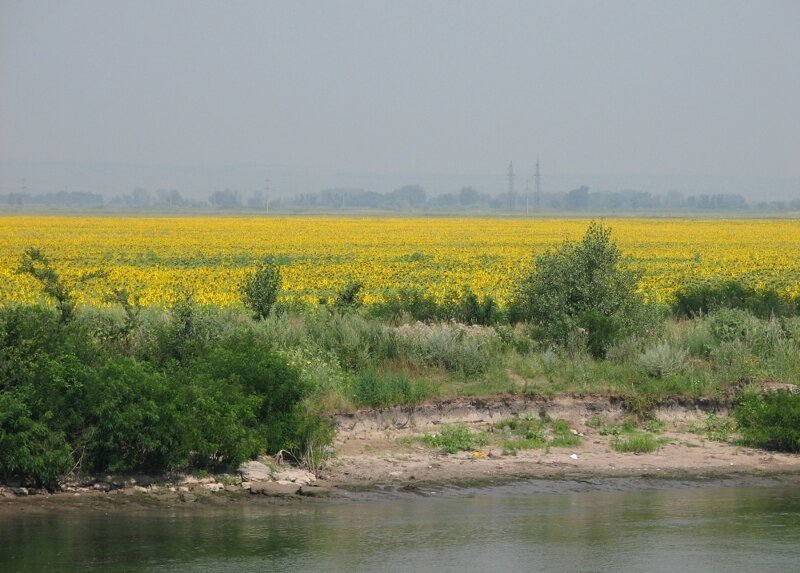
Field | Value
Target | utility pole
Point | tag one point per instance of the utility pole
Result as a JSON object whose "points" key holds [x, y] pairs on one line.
{"points": [[266, 194], [511, 186], [538, 187]]}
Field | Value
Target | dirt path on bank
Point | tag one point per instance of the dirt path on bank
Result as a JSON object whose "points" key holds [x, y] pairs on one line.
{"points": [[378, 447]]}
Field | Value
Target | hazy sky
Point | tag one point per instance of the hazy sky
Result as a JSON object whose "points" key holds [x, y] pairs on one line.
{"points": [[692, 87]]}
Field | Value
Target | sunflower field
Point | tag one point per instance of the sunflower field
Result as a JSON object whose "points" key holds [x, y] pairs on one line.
{"points": [[160, 260]]}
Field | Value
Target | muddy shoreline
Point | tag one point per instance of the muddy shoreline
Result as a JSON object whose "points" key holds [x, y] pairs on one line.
{"points": [[377, 454]]}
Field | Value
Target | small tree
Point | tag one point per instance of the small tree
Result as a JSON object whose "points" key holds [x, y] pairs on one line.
{"points": [[580, 291], [36, 264], [260, 289]]}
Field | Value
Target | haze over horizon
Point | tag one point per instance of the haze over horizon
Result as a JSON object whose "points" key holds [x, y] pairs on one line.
{"points": [[703, 97]]}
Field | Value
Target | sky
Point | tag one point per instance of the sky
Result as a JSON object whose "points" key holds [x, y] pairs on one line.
{"points": [[702, 94]]}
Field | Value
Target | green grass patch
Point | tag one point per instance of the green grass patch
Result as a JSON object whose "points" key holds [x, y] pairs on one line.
{"points": [[532, 433], [718, 428], [639, 443]]}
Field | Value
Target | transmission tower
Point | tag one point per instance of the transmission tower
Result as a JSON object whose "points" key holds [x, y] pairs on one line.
{"points": [[511, 186], [527, 194], [538, 196]]}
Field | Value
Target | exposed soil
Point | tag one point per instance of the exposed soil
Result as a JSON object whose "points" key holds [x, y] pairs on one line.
{"points": [[371, 449]]}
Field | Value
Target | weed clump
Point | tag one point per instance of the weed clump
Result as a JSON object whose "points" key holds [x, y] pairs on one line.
{"points": [[454, 438], [636, 443]]}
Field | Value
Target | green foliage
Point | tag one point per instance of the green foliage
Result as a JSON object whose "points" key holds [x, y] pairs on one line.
{"points": [[580, 293], [701, 297], [562, 436], [28, 446], [770, 420], [356, 341], [468, 308], [260, 290], [465, 308], [716, 427], [69, 402], [453, 438]]}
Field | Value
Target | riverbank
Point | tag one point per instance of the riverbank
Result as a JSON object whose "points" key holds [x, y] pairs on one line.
{"points": [[386, 450], [379, 447]]}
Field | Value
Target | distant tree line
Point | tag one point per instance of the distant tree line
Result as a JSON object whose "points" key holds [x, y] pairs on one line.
{"points": [[582, 199], [410, 198]]}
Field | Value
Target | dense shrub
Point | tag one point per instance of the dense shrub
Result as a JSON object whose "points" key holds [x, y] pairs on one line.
{"points": [[581, 293], [770, 420], [133, 420], [29, 447], [706, 296], [69, 401]]}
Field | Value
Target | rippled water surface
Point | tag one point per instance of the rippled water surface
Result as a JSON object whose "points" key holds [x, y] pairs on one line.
{"points": [[520, 527]]}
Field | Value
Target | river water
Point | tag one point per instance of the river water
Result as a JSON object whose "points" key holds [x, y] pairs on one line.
{"points": [[526, 526]]}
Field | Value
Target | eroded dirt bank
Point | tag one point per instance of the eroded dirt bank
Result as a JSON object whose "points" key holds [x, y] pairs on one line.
{"points": [[378, 447]]}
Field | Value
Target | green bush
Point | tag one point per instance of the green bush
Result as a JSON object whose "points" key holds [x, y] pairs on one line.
{"points": [[731, 325], [770, 420], [260, 290], [348, 297], [662, 360], [580, 293]]}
